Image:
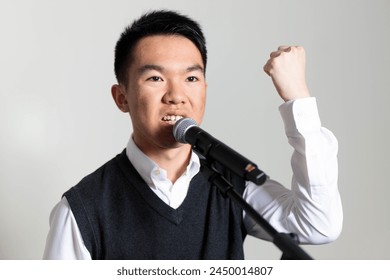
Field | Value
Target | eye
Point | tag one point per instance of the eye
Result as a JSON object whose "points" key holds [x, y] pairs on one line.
{"points": [[192, 79], [155, 79]]}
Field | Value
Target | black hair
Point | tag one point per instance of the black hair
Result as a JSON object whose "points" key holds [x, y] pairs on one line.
{"points": [[161, 22]]}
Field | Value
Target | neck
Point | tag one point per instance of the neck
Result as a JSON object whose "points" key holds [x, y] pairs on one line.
{"points": [[173, 160]]}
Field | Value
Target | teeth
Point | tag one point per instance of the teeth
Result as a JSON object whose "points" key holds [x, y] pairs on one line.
{"points": [[172, 118]]}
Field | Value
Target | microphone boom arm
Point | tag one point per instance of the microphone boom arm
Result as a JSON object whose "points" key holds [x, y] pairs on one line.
{"points": [[286, 242]]}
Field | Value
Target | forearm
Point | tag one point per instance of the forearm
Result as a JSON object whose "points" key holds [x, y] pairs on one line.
{"points": [[312, 208]]}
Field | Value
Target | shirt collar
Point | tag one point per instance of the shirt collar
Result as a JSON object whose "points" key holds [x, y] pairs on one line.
{"points": [[146, 166]]}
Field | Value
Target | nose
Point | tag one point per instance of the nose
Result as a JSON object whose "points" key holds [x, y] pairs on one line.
{"points": [[174, 94]]}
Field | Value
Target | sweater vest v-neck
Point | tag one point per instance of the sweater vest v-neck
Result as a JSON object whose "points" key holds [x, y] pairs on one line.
{"points": [[120, 217]]}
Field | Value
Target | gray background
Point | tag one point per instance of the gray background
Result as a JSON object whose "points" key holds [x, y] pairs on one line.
{"points": [[58, 121]]}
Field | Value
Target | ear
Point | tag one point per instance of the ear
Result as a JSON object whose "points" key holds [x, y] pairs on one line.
{"points": [[119, 95]]}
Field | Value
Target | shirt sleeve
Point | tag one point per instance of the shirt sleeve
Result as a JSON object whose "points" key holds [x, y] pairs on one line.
{"points": [[311, 208], [64, 240]]}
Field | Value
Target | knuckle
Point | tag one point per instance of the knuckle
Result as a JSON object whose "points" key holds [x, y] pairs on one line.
{"points": [[300, 49]]}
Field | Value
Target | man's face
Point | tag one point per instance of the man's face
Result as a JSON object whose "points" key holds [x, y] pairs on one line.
{"points": [[165, 82]]}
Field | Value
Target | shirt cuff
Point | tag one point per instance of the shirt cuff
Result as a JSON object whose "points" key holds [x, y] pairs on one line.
{"points": [[300, 116]]}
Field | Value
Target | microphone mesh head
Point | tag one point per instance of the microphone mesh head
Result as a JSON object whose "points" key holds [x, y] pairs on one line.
{"points": [[180, 128]]}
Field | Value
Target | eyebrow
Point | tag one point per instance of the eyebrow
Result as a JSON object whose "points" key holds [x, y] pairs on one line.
{"points": [[149, 67], [195, 67]]}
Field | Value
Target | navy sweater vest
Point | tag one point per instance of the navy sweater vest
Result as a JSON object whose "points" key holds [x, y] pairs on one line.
{"points": [[120, 217]]}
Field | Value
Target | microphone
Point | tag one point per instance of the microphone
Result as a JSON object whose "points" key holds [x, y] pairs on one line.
{"points": [[187, 131]]}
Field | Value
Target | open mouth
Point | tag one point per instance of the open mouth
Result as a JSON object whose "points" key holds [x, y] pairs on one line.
{"points": [[171, 119]]}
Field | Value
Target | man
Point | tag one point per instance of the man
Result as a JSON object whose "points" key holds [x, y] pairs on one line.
{"points": [[151, 201]]}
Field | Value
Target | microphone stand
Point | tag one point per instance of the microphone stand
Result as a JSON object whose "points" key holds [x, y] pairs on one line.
{"points": [[286, 242]]}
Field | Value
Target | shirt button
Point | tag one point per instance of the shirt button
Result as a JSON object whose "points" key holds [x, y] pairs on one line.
{"points": [[157, 172]]}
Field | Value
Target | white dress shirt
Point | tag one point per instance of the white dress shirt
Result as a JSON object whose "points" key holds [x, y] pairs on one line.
{"points": [[311, 209]]}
